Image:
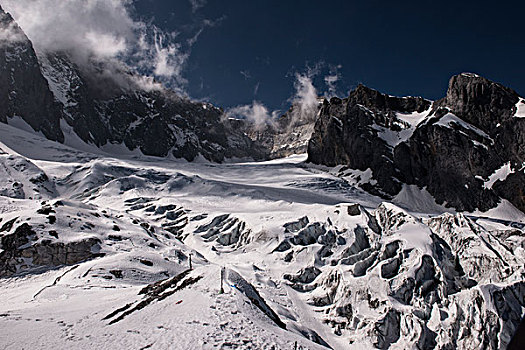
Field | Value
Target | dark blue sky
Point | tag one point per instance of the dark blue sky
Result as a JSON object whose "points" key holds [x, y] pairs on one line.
{"points": [[398, 47]]}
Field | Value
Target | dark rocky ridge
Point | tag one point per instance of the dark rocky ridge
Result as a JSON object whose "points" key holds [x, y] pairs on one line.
{"points": [[157, 121], [479, 101], [114, 107], [23, 90], [452, 156], [345, 134]]}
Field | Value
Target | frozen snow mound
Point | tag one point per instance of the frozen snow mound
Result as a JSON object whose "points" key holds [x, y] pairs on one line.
{"points": [[392, 279]]}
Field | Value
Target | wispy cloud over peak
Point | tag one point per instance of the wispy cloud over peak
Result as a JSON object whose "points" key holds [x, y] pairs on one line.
{"points": [[331, 80], [246, 74], [104, 30], [9, 30]]}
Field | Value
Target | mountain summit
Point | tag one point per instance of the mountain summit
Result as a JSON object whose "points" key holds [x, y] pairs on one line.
{"points": [[467, 149], [24, 92]]}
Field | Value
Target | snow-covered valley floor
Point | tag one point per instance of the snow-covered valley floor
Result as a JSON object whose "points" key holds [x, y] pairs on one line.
{"points": [[310, 260]]}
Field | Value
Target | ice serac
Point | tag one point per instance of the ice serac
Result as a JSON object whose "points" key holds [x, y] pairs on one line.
{"points": [[24, 92], [399, 281], [451, 147]]}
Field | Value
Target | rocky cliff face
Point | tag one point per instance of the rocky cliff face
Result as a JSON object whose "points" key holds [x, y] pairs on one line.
{"points": [[467, 149], [24, 92], [108, 108], [156, 121], [19, 251], [360, 131]]}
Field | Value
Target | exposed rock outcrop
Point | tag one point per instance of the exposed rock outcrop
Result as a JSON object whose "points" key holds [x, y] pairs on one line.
{"points": [[24, 92], [453, 147], [104, 104], [21, 252], [118, 110], [348, 132]]}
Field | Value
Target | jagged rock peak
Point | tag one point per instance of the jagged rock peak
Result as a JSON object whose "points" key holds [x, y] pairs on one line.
{"points": [[24, 92], [478, 100], [5, 16], [9, 29], [372, 98], [474, 89]]}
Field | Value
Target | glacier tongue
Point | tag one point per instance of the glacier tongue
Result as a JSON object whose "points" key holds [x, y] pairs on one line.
{"points": [[96, 251]]}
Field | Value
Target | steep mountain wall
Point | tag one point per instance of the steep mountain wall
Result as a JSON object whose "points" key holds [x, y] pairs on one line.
{"points": [[467, 149], [104, 104], [23, 90]]}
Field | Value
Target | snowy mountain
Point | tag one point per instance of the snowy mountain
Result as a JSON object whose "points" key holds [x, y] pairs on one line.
{"points": [[467, 149], [24, 91], [111, 237], [289, 134], [104, 105]]}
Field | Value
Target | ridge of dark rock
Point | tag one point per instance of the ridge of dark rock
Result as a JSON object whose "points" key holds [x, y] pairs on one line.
{"points": [[372, 98], [23, 90], [479, 101], [347, 132], [464, 138], [108, 105]]}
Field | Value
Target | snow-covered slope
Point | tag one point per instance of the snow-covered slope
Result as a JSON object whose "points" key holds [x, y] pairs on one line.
{"points": [[96, 254]]}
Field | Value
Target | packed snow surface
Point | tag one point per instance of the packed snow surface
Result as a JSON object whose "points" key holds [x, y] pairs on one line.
{"points": [[96, 253], [520, 109], [499, 174], [409, 123]]}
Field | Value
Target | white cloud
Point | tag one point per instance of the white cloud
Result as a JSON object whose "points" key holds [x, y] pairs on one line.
{"points": [[304, 102], [197, 4], [105, 45], [330, 81], [102, 31], [246, 74], [306, 93], [9, 31], [169, 58], [83, 27], [256, 113]]}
